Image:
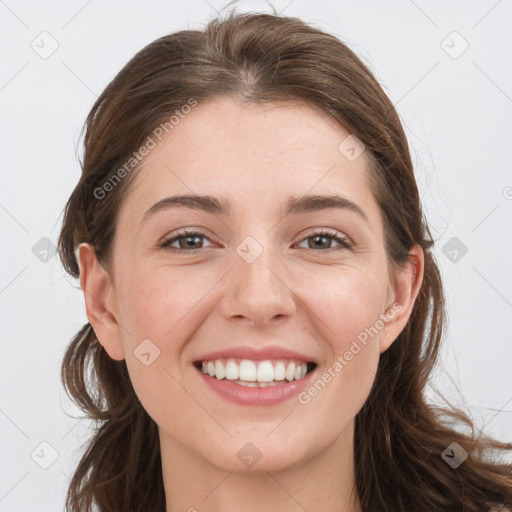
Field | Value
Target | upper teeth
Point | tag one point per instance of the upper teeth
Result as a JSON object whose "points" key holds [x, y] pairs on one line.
{"points": [[254, 371]]}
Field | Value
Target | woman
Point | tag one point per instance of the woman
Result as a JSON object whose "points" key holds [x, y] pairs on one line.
{"points": [[264, 306]]}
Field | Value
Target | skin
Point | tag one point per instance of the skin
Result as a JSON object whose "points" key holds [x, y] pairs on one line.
{"points": [[312, 300]]}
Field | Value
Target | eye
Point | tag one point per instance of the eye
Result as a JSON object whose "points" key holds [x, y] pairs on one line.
{"points": [[190, 238], [319, 240], [188, 241]]}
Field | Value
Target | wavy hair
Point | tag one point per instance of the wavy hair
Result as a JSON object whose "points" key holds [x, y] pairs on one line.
{"points": [[260, 58]]}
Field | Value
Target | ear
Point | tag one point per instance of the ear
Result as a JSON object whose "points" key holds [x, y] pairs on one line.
{"points": [[404, 289], [100, 302]]}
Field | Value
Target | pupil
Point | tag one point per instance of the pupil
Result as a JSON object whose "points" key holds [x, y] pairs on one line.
{"points": [[320, 237], [190, 238]]}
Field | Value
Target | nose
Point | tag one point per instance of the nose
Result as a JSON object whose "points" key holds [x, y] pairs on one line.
{"points": [[257, 291]]}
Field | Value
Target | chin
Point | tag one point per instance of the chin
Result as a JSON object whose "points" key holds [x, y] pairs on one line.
{"points": [[253, 454]]}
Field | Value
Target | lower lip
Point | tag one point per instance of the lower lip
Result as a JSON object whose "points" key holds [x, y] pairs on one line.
{"points": [[243, 395]]}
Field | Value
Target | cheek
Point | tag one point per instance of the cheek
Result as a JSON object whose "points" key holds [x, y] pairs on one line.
{"points": [[350, 310], [158, 309], [350, 306], [345, 305], [157, 303], [348, 303], [161, 308]]}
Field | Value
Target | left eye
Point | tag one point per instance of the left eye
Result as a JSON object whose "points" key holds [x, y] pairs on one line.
{"points": [[326, 235], [192, 238]]}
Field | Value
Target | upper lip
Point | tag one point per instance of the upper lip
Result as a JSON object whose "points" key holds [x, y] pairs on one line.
{"points": [[260, 354]]}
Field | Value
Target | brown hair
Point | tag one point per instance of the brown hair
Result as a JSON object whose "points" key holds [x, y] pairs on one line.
{"points": [[259, 58]]}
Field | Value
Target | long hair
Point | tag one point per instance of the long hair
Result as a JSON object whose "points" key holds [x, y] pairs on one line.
{"points": [[260, 58]]}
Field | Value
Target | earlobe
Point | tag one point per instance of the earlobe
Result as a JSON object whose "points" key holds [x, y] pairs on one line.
{"points": [[97, 289], [405, 289]]}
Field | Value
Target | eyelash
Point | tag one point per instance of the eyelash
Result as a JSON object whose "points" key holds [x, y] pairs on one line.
{"points": [[344, 242]]}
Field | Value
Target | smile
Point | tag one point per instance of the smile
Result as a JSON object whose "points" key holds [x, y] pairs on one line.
{"points": [[246, 372], [253, 382]]}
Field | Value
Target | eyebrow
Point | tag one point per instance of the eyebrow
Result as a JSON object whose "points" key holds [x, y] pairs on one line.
{"points": [[222, 206]]}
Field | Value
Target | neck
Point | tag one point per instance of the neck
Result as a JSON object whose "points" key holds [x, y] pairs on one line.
{"points": [[324, 482]]}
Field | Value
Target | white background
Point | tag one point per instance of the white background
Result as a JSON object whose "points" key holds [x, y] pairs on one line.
{"points": [[457, 114]]}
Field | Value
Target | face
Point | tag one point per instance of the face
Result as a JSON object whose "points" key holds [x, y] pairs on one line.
{"points": [[251, 283]]}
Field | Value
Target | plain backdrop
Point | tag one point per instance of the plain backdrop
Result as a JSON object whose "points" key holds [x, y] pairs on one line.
{"points": [[445, 65]]}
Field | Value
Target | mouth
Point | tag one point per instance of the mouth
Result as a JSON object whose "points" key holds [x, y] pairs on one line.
{"points": [[256, 373]]}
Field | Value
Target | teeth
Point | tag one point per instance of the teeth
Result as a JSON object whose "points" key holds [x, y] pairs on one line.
{"points": [[220, 371], [290, 371], [247, 371], [255, 373], [279, 371], [231, 370], [265, 372]]}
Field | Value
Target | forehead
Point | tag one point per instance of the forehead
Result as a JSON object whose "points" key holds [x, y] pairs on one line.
{"points": [[256, 155]]}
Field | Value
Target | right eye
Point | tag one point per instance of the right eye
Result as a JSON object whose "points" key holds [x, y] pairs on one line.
{"points": [[190, 237]]}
